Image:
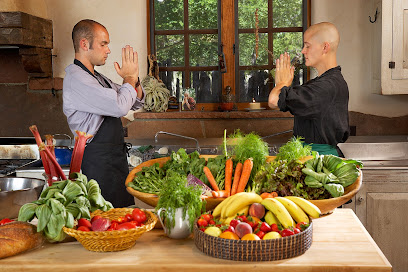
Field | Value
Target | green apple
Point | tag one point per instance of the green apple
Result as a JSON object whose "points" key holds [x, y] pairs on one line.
{"points": [[213, 231], [272, 235]]}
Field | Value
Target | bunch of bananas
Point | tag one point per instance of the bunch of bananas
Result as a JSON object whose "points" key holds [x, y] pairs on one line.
{"points": [[286, 211]]}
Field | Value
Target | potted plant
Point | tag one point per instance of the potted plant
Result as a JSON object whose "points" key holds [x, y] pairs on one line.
{"points": [[178, 206]]}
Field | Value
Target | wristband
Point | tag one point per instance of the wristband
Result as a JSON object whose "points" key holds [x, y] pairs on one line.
{"points": [[137, 83]]}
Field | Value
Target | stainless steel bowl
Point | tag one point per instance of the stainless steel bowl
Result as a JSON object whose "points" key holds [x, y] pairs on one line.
{"points": [[15, 192]]}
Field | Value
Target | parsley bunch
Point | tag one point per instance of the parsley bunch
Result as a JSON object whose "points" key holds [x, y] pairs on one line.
{"points": [[174, 194]]}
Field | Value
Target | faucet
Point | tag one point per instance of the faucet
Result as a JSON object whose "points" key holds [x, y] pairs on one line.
{"points": [[276, 134], [177, 135]]}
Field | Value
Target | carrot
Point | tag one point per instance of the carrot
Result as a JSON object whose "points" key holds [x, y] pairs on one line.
{"points": [[222, 193], [266, 195], [237, 176], [274, 194], [228, 175], [246, 172], [210, 178]]}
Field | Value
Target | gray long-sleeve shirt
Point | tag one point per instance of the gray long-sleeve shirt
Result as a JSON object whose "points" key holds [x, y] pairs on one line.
{"points": [[86, 101]]}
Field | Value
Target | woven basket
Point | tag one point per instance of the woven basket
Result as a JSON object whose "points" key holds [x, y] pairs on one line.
{"points": [[116, 240], [255, 251]]}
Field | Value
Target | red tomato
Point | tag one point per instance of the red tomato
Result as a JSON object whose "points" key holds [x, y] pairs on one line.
{"points": [[230, 229], [242, 218], [207, 217], [286, 232], [275, 227], [5, 221], [129, 217], [121, 220], [84, 222], [260, 234], [139, 215], [126, 226], [202, 222], [83, 228], [95, 217], [265, 227], [234, 223], [296, 230], [302, 226], [114, 225]]}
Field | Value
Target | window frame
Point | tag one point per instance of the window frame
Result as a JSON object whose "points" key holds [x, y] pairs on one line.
{"points": [[228, 35]]}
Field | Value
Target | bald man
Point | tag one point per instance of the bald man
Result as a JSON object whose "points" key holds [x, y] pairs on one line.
{"points": [[320, 106], [94, 104]]}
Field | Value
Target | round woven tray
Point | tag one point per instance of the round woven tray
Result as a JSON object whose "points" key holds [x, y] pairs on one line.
{"points": [[116, 240], [257, 250]]}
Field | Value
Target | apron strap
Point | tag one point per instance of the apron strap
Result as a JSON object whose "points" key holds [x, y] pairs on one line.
{"points": [[325, 149]]}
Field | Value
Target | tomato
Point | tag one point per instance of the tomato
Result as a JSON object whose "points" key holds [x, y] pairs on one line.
{"points": [[242, 218], [260, 234], [139, 215], [114, 225], [207, 217], [230, 229], [121, 220], [126, 226], [129, 217], [265, 227], [202, 222], [286, 232], [275, 227], [296, 230], [83, 228], [84, 222], [234, 223], [95, 217], [5, 221], [302, 226]]}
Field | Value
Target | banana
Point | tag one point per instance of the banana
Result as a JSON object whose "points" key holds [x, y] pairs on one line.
{"points": [[270, 218], [295, 211], [308, 207], [241, 201], [227, 202], [218, 208], [279, 211]]}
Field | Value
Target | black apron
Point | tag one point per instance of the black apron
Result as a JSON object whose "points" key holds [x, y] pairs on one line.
{"points": [[105, 158]]}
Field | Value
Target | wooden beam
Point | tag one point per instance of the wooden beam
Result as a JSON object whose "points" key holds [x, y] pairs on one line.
{"points": [[228, 40]]}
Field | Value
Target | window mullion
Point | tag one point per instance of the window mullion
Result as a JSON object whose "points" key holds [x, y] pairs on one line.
{"points": [[187, 79]]}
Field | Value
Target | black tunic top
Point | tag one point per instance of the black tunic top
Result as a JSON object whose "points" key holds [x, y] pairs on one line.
{"points": [[320, 108]]}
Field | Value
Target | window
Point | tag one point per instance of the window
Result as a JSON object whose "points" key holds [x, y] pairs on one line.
{"points": [[190, 37]]}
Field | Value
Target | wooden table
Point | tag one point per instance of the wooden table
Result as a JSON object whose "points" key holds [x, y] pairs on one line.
{"points": [[340, 243]]}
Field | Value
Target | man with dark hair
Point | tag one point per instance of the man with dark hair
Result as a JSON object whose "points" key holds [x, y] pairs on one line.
{"points": [[320, 106], [94, 104]]}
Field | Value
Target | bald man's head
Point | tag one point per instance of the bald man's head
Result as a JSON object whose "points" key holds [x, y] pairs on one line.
{"points": [[84, 30], [325, 32]]}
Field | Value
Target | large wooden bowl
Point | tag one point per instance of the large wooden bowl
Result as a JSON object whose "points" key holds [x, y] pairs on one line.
{"points": [[325, 205]]}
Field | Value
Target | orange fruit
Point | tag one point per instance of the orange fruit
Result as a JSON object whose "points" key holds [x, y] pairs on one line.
{"points": [[250, 236], [229, 235]]}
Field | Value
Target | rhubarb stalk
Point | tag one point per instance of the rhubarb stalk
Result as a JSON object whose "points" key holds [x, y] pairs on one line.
{"points": [[78, 152], [43, 155], [53, 160], [50, 145]]}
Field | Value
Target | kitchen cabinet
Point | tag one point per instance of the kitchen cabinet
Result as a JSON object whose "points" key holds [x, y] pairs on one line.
{"points": [[382, 205], [394, 45], [340, 243]]}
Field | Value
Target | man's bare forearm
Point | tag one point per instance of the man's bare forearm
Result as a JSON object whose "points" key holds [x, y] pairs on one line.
{"points": [[274, 95]]}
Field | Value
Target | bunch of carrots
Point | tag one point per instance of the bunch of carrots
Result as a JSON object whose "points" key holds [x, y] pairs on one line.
{"points": [[241, 178]]}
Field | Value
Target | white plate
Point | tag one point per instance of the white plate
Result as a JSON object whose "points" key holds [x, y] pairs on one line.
{"points": [[260, 109]]}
